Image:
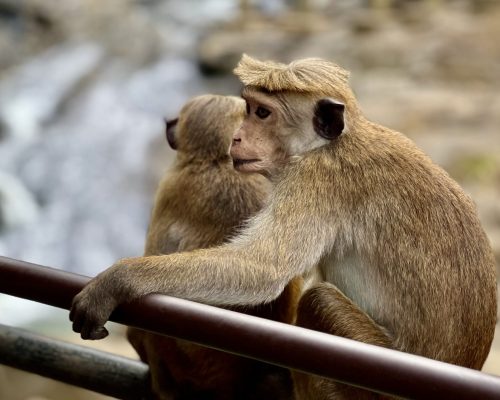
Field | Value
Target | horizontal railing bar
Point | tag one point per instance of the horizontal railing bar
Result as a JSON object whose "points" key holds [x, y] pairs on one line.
{"points": [[81, 366], [359, 364]]}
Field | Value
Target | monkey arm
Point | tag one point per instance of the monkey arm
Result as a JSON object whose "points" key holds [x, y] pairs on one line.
{"points": [[228, 275], [283, 241]]}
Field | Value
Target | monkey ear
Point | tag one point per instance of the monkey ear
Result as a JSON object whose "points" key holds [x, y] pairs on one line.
{"points": [[170, 126], [328, 118]]}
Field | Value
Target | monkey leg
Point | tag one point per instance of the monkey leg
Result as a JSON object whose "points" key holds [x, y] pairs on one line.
{"points": [[151, 349], [326, 309]]}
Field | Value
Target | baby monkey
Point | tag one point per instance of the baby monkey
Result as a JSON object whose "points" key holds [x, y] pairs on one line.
{"points": [[201, 202]]}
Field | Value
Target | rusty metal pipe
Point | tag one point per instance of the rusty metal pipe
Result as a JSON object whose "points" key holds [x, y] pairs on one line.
{"points": [[359, 364]]}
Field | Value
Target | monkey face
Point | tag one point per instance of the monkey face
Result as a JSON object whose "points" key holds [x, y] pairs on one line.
{"points": [[280, 125], [255, 146]]}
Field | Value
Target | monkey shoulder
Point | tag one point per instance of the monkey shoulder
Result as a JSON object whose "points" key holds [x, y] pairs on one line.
{"points": [[379, 156], [373, 169]]}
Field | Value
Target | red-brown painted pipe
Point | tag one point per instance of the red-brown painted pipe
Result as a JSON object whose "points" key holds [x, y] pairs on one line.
{"points": [[359, 364]]}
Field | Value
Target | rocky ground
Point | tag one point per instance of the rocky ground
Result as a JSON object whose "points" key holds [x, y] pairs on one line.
{"points": [[84, 86]]}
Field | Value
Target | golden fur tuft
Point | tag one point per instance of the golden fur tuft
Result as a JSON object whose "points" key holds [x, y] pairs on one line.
{"points": [[309, 75]]}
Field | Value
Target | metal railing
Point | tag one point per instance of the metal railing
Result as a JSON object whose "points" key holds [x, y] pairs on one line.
{"points": [[358, 364], [81, 366]]}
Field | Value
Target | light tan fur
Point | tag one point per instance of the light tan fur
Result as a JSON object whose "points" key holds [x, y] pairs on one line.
{"points": [[310, 75], [398, 245], [201, 202]]}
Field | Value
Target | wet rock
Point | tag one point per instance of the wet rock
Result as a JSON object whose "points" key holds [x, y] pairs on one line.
{"points": [[17, 205], [90, 169], [33, 94]]}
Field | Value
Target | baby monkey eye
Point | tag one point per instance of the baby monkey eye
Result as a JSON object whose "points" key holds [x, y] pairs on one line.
{"points": [[262, 112]]}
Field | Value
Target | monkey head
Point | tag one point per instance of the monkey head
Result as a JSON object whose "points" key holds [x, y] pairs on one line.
{"points": [[288, 112], [205, 126]]}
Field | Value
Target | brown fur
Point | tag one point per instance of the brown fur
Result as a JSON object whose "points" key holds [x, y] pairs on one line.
{"points": [[423, 234], [397, 240], [200, 203]]}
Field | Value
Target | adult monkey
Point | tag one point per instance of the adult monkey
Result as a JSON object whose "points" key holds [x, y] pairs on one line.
{"points": [[398, 245]]}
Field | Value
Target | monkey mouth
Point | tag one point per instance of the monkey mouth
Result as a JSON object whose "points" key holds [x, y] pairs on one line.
{"points": [[238, 162]]}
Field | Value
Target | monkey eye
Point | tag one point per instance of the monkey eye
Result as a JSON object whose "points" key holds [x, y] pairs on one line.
{"points": [[262, 112]]}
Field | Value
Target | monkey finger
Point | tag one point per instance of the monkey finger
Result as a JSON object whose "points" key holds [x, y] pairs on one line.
{"points": [[73, 309], [91, 330], [75, 312], [72, 313], [98, 333], [78, 320]]}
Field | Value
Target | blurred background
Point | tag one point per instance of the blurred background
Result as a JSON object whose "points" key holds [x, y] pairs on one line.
{"points": [[85, 84]]}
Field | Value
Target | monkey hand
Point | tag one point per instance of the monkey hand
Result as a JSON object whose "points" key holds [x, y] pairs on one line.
{"points": [[92, 307]]}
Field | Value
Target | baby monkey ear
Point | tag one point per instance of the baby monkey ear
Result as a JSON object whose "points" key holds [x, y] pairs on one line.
{"points": [[328, 120], [170, 126]]}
